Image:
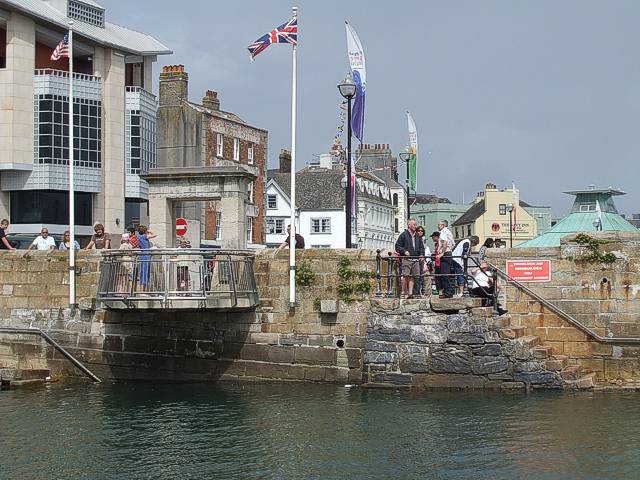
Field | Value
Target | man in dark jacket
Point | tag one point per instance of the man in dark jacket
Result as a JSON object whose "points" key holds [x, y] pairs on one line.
{"points": [[411, 249]]}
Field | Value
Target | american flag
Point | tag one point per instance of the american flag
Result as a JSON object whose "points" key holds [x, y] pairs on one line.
{"points": [[62, 50], [285, 33]]}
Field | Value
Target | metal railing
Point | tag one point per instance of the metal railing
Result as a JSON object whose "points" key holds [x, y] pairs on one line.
{"points": [[177, 278], [389, 276], [564, 315]]}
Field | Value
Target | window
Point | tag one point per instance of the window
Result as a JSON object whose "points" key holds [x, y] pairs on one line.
{"points": [[250, 153], [395, 199], [502, 209], [275, 226], [320, 225], [457, 234], [140, 143], [3, 48], [422, 220], [591, 207], [249, 229], [453, 218], [220, 145], [250, 192], [85, 13], [272, 202], [52, 126], [236, 149], [49, 207], [468, 230], [218, 225], [396, 225]]}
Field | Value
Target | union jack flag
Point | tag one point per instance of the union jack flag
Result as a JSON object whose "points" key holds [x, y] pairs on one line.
{"points": [[62, 50], [285, 33]]}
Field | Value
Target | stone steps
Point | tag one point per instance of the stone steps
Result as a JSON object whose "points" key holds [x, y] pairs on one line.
{"points": [[557, 363], [529, 341], [574, 372], [542, 352], [512, 332]]}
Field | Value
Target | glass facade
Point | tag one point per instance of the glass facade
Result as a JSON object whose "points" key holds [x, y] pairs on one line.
{"points": [[52, 127], [142, 141], [49, 207]]}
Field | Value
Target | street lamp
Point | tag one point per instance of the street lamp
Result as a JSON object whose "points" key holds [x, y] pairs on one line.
{"points": [[348, 90], [510, 210], [405, 157]]}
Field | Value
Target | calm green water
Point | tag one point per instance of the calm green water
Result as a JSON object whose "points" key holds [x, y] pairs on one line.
{"points": [[143, 431]]}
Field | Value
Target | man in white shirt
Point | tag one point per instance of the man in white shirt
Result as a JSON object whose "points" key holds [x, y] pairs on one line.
{"points": [[43, 241], [445, 249], [463, 248]]}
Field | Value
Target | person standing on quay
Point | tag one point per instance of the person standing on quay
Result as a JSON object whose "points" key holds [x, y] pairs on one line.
{"points": [[445, 248], [99, 240], [4, 243], [410, 247], [65, 244], [43, 241], [299, 240], [435, 236]]}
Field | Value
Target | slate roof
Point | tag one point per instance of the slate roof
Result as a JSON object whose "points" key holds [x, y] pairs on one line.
{"points": [[111, 35], [320, 188], [476, 210], [425, 198], [316, 189], [579, 222], [472, 214]]}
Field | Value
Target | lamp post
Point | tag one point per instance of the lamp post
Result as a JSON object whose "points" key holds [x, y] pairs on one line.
{"points": [[510, 210], [348, 90], [405, 157]]}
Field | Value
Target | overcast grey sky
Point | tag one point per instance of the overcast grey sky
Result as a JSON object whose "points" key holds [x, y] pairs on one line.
{"points": [[544, 93]]}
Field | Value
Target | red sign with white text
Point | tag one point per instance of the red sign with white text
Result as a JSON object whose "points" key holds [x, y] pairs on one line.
{"points": [[181, 226], [529, 270]]}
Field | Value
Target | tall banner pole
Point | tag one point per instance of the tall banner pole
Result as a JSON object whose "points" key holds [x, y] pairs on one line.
{"points": [[72, 219], [292, 237]]}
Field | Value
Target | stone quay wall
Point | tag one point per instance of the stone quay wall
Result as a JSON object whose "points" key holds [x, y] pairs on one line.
{"points": [[415, 344], [381, 342], [272, 342], [602, 296]]}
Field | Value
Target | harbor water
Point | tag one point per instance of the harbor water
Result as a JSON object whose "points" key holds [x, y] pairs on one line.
{"points": [[296, 431]]}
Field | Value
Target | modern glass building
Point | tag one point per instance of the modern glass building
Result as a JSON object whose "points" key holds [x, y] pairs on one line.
{"points": [[114, 117]]}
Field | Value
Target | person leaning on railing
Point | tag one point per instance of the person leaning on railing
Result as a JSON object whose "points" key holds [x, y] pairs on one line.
{"points": [[462, 249], [411, 249]]}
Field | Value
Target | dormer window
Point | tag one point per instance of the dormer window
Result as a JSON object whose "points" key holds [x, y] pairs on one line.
{"points": [[86, 12], [589, 207]]}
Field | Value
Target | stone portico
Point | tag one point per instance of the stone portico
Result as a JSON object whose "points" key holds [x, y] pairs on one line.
{"points": [[228, 185]]}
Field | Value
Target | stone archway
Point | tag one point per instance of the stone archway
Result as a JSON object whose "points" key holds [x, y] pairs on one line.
{"points": [[227, 185]]}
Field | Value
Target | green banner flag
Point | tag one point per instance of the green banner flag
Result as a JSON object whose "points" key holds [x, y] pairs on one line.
{"points": [[413, 162]]}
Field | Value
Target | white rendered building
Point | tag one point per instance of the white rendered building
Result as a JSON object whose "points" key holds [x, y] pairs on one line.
{"points": [[320, 214], [114, 117]]}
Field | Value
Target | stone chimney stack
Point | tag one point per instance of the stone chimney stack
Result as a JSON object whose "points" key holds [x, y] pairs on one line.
{"points": [[211, 101], [285, 161], [174, 85]]}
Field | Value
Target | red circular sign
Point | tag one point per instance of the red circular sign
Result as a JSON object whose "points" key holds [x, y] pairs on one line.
{"points": [[181, 226], [495, 227]]}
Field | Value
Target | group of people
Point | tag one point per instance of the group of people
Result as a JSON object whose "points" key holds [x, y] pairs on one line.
{"points": [[135, 237], [446, 264]]}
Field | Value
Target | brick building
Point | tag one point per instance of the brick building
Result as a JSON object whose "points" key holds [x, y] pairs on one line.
{"points": [[196, 135]]}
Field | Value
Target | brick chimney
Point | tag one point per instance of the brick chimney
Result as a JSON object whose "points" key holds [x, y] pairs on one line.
{"points": [[210, 100], [174, 85], [285, 161]]}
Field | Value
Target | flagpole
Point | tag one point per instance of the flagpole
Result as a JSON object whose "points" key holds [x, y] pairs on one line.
{"points": [[72, 220], [292, 236]]}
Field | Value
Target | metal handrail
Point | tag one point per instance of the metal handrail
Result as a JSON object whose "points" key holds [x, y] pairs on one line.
{"points": [[562, 314], [171, 275], [393, 274], [54, 344]]}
